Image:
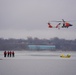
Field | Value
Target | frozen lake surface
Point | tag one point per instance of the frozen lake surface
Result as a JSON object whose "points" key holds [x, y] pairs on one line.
{"points": [[38, 63]]}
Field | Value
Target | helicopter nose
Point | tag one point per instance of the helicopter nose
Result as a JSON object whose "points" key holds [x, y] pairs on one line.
{"points": [[70, 25]]}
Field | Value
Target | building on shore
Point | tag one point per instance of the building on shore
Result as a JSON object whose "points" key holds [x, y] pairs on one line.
{"points": [[41, 47]]}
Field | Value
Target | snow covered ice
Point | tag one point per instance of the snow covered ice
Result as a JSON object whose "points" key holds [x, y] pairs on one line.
{"points": [[38, 63]]}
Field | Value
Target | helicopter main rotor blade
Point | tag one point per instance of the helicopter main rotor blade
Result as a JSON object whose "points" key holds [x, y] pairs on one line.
{"points": [[55, 21]]}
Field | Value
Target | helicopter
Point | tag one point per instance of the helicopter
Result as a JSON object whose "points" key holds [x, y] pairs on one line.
{"points": [[64, 24]]}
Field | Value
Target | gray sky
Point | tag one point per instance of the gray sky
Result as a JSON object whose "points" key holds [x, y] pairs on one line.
{"points": [[28, 18]]}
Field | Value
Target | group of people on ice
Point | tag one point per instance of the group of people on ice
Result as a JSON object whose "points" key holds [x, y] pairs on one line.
{"points": [[9, 54]]}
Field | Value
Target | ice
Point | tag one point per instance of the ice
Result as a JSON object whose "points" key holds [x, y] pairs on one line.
{"points": [[38, 63]]}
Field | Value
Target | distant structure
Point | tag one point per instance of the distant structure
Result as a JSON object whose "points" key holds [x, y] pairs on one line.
{"points": [[42, 47]]}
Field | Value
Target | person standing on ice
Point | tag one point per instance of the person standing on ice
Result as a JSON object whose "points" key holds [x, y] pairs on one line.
{"points": [[5, 53], [13, 54], [10, 53]]}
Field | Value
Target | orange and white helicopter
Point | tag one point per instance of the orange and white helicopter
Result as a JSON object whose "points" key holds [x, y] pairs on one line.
{"points": [[64, 24]]}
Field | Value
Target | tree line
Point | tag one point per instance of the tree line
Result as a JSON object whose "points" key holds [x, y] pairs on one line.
{"points": [[22, 44]]}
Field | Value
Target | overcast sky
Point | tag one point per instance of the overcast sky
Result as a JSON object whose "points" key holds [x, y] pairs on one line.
{"points": [[28, 18]]}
